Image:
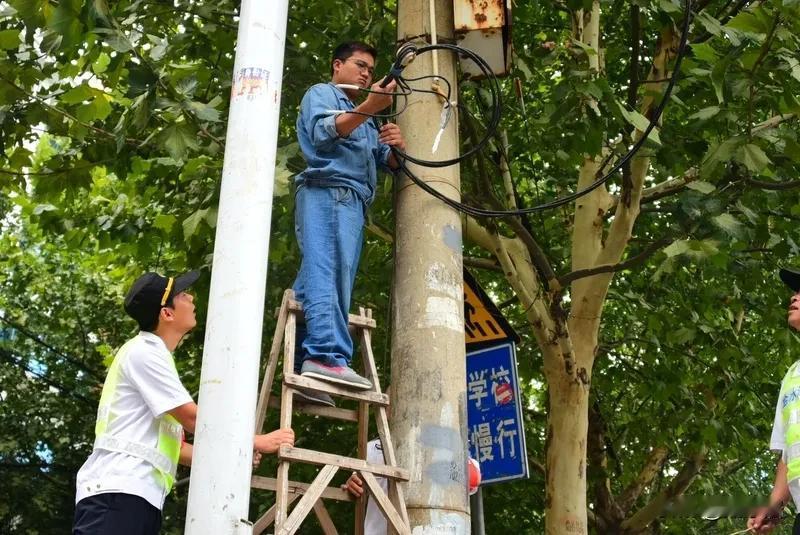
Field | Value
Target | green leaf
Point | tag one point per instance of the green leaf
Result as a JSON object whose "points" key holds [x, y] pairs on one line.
{"points": [[97, 109], [101, 63], [681, 335], [729, 224], [705, 113], [191, 223], [41, 208], [586, 48], [164, 222], [747, 22], [718, 79], [28, 9], [722, 152], [140, 79], [211, 217], [669, 7], [178, 139], [204, 112], [118, 41], [792, 150], [676, 248], [9, 39], [100, 9], [705, 52], [748, 213], [752, 157], [77, 94], [640, 122], [711, 24], [703, 248], [66, 24], [702, 186]]}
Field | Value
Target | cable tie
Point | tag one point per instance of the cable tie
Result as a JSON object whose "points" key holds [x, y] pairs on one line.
{"points": [[444, 118]]}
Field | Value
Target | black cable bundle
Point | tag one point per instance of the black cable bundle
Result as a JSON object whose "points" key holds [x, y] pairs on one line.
{"points": [[408, 52]]}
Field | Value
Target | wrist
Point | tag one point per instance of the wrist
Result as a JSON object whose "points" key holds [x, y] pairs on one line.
{"points": [[367, 107]]}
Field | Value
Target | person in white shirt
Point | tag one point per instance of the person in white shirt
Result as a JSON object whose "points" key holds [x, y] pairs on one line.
{"points": [[143, 411], [374, 521], [785, 432]]}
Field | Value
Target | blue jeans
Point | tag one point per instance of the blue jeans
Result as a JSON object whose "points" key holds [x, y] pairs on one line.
{"points": [[329, 225]]}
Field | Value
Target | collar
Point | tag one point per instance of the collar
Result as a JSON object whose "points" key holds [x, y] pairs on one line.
{"points": [[341, 95], [155, 340]]}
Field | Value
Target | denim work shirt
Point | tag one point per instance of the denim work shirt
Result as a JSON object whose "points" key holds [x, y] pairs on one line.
{"points": [[334, 160]]}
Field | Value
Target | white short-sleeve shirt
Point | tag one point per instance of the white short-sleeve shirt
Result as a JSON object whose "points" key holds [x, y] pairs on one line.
{"points": [[374, 521], [148, 387], [777, 442]]}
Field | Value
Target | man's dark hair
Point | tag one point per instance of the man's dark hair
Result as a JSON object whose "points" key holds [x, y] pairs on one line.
{"points": [[150, 325], [345, 50]]}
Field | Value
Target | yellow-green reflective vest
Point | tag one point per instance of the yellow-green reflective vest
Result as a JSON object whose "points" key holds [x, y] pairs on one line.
{"points": [[164, 457], [790, 412]]}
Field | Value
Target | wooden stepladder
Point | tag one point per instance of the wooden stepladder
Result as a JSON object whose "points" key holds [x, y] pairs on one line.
{"points": [[392, 506]]}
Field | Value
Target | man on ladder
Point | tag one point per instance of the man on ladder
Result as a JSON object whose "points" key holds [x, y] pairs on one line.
{"points": [[143, 411], [343, 147]]}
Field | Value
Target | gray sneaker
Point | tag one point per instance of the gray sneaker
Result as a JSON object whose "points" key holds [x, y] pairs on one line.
{"points": [[343, 375], [315, 397]]}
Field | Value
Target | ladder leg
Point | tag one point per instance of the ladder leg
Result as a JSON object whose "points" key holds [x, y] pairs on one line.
{"points": [[269, 517], [325, 520], [363, 430], [312, 495], [287, 395], [272, 364]]}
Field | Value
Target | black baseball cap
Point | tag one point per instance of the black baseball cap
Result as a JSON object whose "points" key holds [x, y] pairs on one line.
{"points": [[791, 276], [151, 292]]}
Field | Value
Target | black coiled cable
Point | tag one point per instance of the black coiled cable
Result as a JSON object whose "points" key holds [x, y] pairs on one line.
{"points": [[494, 121]]}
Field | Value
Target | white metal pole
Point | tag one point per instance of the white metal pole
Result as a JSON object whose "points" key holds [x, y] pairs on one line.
{"points": [[219, 489]]}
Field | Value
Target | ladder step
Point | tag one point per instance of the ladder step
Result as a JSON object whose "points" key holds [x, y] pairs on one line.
{"points": [[287, 453], [295, 487], [292, 379], [347, 415], [358, 321]]}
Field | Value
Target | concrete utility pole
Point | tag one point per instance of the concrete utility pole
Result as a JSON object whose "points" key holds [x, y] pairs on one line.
{"points": [[428, 352], [219, 491]]}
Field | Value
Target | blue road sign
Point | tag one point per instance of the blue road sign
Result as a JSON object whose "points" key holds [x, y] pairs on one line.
{"points": [[496, 432]]}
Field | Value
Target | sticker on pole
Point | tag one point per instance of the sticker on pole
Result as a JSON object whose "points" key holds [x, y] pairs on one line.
{"points": [[496, 433], [249, 83]]}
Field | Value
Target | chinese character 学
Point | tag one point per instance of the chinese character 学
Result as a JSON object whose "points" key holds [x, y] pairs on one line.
{"points": [[477, 387]]}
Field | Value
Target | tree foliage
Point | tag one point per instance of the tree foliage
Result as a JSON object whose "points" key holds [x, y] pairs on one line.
{"points": [[112, 121]]}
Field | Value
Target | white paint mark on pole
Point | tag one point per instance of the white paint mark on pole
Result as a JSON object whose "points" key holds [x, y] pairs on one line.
{"points": [[439, 279], [442, 312]]}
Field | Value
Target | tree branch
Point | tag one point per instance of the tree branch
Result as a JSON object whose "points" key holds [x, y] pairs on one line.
{"points": [[538, 256], [774, 186], [482, 263], [606, 507], [652, 466], [649, 251], [644, 516], [77, 362], [380, 233], [69, 116]]}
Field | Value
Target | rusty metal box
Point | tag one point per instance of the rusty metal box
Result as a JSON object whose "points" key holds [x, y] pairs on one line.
{"points": [[484, 27]]}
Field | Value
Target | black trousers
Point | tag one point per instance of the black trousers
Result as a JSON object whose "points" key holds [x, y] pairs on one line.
{"points": [[115, 513], [796, 528]]}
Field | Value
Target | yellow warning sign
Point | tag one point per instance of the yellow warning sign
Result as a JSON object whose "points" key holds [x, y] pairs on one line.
{"points": [[482, 321]]}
